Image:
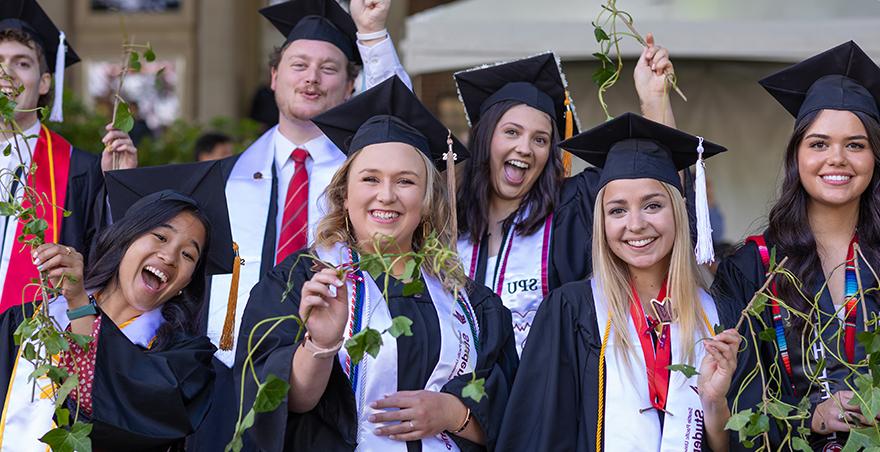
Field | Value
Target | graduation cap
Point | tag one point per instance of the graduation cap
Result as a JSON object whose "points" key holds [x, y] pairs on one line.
{"points": [[842, 78], [320, 20], [27, 16], [202, 182], [388, 113], [536, 81], [632, 147]]}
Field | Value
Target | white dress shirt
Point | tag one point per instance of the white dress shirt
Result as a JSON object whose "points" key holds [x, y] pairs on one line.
{"points": [[8, 164]]}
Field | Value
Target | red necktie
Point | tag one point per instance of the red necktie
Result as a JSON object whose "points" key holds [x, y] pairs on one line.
{"points": [[295, 222]]}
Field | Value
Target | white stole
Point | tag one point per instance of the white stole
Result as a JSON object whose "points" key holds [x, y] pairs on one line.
{"points": [[520, 275], [626, 392], [378, 376], [25, 421]]}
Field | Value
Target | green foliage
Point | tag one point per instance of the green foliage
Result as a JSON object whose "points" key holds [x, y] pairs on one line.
{"points": [[475, 389], [270, 394], [686, 370], [124, 120], [367, 340], [76, 439], [400, 325]]}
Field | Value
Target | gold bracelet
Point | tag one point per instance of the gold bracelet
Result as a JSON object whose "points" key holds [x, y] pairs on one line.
{"points": [[467, 420]]}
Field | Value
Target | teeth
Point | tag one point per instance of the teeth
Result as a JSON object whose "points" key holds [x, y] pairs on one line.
{"points": [[385, 215], [836, 178], [159, 274], [518, 164], [640, 243]]}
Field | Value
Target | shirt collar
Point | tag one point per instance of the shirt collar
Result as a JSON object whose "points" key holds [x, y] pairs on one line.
{"points": [[320, 149], [34, 132]]}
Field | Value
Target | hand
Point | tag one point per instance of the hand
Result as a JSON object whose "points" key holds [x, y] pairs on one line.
{"points": [[837, 415], [118, 142], [370, 16], [650, 72], [326, 314], [718, 366], [64, 267], [421, 414]]}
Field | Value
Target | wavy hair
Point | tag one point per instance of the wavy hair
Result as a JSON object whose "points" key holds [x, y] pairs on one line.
{"points": [[684, 280], [789, 226], [180, 311], [475, 189], [436, 218]]}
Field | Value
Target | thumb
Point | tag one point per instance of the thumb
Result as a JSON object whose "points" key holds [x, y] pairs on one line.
{"points": [[649, 39]]}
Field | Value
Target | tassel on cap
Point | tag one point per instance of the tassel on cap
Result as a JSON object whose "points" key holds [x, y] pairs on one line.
{"points": [[57, 114], [450, 158], [705, 250], [569, 131], [226, 340]]}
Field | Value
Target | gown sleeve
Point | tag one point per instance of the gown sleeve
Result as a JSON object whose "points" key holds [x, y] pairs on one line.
{"points": [[572, 236], [553, 404], [148, 399], [497, 363], [85, 199], [331, 425]]}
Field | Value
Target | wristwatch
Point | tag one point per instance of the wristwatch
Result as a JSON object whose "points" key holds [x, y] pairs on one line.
{"points": [[82, 311]]}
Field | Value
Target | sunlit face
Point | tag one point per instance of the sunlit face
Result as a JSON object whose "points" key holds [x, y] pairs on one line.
{"points": [[519, 151], [639, 222], [161, 262], [23, 65], [311, 78], [835, 159], [386, 193]]}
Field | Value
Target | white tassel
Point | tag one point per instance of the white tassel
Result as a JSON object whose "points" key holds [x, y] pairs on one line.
{"points": [[705, 250], [57, 114]]}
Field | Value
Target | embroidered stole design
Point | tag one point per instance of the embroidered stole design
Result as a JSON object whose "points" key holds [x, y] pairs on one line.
{"points": [[52, 159], [628, 392], [25, 419], [372, 378], [521, 280]]}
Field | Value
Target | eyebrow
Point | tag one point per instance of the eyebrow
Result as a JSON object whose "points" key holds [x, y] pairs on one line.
{"points": [[644, 198], [373, 170], [827, 137], [521, 127]]}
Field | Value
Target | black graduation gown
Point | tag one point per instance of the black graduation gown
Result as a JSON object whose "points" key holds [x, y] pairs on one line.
{"points": [[737, 279], [141, 400], [332, 424]]}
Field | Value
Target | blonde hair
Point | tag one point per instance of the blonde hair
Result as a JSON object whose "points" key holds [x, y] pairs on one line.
{"points": [[684, 279], [436, 218]]}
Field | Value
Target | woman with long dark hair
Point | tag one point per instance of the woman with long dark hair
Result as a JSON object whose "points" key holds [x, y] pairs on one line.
{"points": [[514, 201], [409, 396], [827, 223], [144, 380]]}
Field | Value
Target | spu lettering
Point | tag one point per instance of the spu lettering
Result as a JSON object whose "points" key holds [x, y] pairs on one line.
{"points": [[522, 285]]}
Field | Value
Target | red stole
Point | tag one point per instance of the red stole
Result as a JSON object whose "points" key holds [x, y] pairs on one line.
{"points": [[52, 158]]}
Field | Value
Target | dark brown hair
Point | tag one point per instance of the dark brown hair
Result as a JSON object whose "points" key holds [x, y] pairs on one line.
{"points": [[351, 68], [475, 188]]}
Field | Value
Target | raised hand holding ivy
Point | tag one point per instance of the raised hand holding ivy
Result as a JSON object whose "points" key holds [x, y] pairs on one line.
{"points": [[64, 267], [324, 310]]}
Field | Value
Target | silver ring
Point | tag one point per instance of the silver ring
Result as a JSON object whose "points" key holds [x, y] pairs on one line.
{"points": [[841, 416], [411, 425], [67, 248]]}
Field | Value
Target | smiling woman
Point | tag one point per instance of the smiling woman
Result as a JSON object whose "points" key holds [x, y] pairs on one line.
{"points": [[146, 376], [409, 396]]}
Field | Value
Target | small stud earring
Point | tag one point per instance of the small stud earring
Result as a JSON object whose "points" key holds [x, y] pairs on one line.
{"points": [[180, 292]]}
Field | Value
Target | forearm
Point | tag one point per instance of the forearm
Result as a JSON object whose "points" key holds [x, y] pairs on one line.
{"points": [[716, 414], [474, 431], [308, 380], [658, 109]]}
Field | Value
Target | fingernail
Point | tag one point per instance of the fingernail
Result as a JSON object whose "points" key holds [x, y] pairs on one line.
{"points": [[39, 268], [332, 290], [378, 431], [34, 254], [372, 418], [338, 283], [373, 405], [36, 260]]}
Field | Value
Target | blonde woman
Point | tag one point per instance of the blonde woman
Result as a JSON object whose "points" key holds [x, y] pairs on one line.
{"points": [[409, 397], [595, 372]]}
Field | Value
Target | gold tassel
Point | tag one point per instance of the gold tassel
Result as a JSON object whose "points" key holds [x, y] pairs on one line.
{"points": [[569, 131], [450, 158], [229, 323]]}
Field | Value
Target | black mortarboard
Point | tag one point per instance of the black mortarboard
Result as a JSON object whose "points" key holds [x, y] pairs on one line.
{"points": [[28, 17], [201, 182], [536, 81], [632, 147], [388, 113], [320, 20], [842, 78]]}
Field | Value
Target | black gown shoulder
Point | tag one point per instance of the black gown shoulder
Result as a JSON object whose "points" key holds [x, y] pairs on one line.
{"points": [[332, 424], [570, 253], [554, 401]]}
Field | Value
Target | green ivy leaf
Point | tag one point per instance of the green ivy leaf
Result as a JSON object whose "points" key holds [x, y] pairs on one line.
{"points": [[29, 353], [758, 424], [738, 421], [602, 75], [778, 409], [413, 288], [270, 394], [57, 374], [366, 341], [7, 109], [798, 443], [81, 340], [62, 416], [870, 340], [759, 305], [66, 388], [44, 113], [717, 329], [124, 121], [475, 389], [25, 330], [773, 258], [688, 371], [7, 151], [7, 209], [600, 34], [74, 440], [237, 444], [67, 213], [134, 61], [149, 55], [408, 271], [39, 372], [768, 334], [862, 439], [54, 342], [604, 59], [820, 366], [36, 227], [401, 325]]}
